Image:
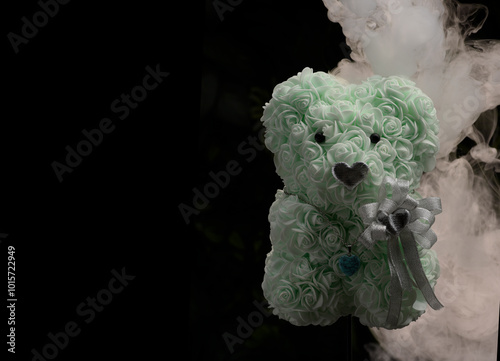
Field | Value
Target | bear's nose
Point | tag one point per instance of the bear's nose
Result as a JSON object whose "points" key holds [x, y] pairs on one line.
{"points": [[350, 176]]}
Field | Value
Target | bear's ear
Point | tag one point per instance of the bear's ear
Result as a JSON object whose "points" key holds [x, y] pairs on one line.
{"points": [[292, 99], [279, 119], [280, 113]]}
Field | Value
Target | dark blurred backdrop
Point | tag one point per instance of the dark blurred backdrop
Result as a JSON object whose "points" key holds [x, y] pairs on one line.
{"points": [[248, 47]]}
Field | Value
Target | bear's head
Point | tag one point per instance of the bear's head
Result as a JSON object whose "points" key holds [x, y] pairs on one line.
{"points": [[334, 142]]}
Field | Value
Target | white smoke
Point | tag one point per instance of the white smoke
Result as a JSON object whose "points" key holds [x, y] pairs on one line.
{"points": [[427, 41]]}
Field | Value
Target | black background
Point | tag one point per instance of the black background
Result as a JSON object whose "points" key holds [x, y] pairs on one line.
{"points": [[111, 211], [119, 207]]}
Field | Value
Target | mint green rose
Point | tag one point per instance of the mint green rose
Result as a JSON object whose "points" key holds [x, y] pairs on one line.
{"points": [[377, 169], [275, 264], [286, 296], [369, 118], [317, 116], [364, 93], [310, 151], [348, 147], [300, 269], [301, 174], [301, 99], [423, 106], [274, 140], [343, 152], [394, 85], [281, 118], [414, 129], [317, 197], [375, 269], [298, 134], [390, 107], [387, 153], [286, 159], [357, 137], [407, 170], [317, 171], [343, 112], [337, 194], [309, 219], [336, 92], [330, 238], [403, 147], [313, 295], [390, 127], [369, 297]]}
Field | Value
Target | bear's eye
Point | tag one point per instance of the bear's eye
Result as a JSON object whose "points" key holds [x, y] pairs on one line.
{"points": [[319, 137], [375, 138]]}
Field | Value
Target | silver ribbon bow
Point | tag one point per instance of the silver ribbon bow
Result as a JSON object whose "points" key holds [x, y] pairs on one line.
{"points": [[410, 220]]}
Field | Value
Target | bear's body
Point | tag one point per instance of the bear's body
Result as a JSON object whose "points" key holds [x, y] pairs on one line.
{"points": [[320, 129]]}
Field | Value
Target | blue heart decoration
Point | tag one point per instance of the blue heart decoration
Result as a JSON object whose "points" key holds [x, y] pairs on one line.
{"points": [[349, 264]]}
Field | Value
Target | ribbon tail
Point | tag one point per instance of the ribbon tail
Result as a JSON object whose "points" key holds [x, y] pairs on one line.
{"points": [[413, 261], [400, 280], [396, 259], [394, 301]]}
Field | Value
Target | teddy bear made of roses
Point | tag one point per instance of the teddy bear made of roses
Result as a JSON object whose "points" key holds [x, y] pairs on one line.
{"points": [[335, 145]]}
